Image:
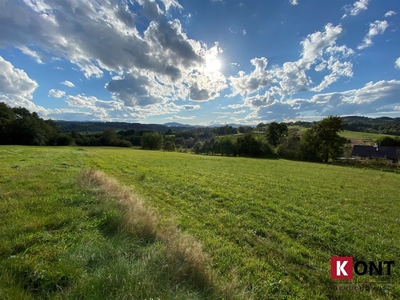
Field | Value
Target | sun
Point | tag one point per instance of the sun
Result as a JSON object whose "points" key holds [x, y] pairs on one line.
{"points": [[213, 64]]}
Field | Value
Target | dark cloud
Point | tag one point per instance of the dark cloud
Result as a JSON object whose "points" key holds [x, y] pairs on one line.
{"points": [[198, 94], [151, 9], [173, 43], [85, 33], [190, 107], [133, 91]]}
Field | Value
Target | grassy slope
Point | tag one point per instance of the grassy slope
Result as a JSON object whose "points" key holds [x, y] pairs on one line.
{"points": [[60, 242], [356, 136], [271, 225]]}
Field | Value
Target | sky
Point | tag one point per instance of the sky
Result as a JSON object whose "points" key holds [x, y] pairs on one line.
{"points": [[200, 62]]}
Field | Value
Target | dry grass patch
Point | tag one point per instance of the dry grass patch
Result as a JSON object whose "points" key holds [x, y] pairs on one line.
{"points": [[187, 261], [137, 219]]}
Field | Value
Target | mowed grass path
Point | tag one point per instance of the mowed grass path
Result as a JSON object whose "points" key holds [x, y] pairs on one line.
{"points": [[59, 240], [270, 226]]}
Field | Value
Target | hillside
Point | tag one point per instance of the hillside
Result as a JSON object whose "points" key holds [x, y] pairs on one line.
{"points": [[383, 125], [269, 226]]}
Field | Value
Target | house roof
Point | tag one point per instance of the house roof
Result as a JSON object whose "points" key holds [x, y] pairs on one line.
{"points": [[376, 152]]}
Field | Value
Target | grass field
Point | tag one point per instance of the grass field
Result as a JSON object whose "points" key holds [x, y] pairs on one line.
{"points": [[355, 136], [269, 226]]}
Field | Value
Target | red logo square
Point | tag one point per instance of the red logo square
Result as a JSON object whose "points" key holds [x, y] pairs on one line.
{"points": [[342, 267]]}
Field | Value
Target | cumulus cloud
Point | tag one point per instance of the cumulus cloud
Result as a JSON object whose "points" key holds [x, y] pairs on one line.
{"points": [[198, 94], [156, 63], [92, 108], [259, 78], [260, 100], [397, 63], [68, 83], [293, 2], [97, 109], [205, 87], [319, 52], [56, 93], [371, 98], [375, 28], [356, 8], [389, 13], [151, 9], [133, 90], [101, 35], [16, 88], [15, 82]]}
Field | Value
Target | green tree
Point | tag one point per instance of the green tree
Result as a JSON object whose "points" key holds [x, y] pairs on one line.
{"points": [[6, 117], [275, 132], [29, 129], [151, 141], [197, 147], [290, 146], [64, 140], [248, 145], [322, 140], [226, 146], [169, 146], [109, 137], [388, 141]]}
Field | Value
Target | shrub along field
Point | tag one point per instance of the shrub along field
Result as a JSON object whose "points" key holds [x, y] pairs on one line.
{"points": [[269, 226]]}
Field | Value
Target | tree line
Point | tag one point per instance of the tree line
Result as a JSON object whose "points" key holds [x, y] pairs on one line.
{"points": [[320, 142]]}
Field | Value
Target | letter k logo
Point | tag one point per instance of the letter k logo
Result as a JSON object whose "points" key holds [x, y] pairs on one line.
{"points": [[341, 267]]}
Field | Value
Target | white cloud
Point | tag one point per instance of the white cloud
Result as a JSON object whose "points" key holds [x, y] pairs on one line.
{"points": [[181, 118], [319, 49], [16, 88], [36, 56], [15, 82], [56, 93], [338, 69], [315, 43], [293, 2], [259, 78], [260, 100], [156, 65], [371, 98], [397, 63], [68, 83], [375, 28], [234, 106], [389, 13], [356, 8]]}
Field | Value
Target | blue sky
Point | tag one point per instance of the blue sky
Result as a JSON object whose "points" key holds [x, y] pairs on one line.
{"points": [[200, 62]]}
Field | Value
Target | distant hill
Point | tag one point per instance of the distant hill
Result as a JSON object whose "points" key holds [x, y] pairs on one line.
{"points": [[384, 125], [91, 127], [175, 124]]}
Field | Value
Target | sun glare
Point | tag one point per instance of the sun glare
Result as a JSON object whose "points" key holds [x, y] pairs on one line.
{"points": [[212, 64]]}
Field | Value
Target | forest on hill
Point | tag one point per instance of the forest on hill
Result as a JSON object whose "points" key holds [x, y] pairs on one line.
{"points": [[319, 142], [384, 125]]}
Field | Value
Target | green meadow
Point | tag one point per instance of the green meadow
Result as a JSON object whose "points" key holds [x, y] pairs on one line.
{"points": [[267, 227]]}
